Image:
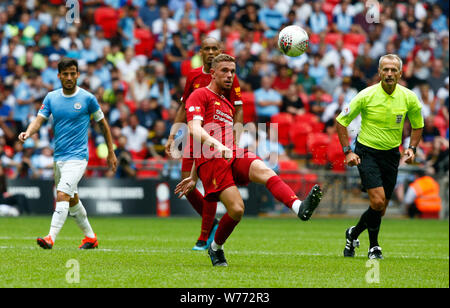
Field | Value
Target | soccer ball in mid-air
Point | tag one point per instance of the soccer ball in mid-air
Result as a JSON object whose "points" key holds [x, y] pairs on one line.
{"points": [[293, 41]]}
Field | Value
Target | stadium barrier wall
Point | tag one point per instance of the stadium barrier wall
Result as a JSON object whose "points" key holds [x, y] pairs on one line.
{"points": [[114, 197]]}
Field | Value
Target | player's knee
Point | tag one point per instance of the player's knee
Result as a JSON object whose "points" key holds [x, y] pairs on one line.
{"points": [[236, 210], [378, 203]]}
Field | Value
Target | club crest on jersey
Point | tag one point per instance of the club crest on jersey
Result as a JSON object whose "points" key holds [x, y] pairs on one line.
{"points": [[197, 85], [77, 106], [399, 118], [217, 103]]}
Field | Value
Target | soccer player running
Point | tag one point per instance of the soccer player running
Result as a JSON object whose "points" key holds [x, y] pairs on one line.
{"points": [[383, 108], [71, 108], [222, 165], [200, 78]]}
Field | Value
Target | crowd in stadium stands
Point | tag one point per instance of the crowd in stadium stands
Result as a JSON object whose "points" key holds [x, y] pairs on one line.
{"points": [[134, 55]]}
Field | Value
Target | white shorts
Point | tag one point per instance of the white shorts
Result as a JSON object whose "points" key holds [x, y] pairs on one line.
{"points": [[68, 174]]}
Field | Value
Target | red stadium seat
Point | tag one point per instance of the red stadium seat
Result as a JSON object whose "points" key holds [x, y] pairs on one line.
{"points": [[299, 136], [440, 124], [308, 181], [335, 155], [284, 121], [306, 118], [314, 38], [248, 107], [108, 19], [318, 146], [333, 38], [354, 39], [145, 42], [289, 173]]}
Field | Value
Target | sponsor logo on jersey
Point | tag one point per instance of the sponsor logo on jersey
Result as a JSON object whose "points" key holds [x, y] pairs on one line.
{"points": [[217, 103], [191, 109], [196, 85]]}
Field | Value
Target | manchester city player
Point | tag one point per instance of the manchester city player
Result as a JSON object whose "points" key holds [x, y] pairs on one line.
{"points": [[71, 108]]}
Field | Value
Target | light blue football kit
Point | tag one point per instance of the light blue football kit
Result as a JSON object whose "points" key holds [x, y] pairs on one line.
{"points": [[71, 119]]}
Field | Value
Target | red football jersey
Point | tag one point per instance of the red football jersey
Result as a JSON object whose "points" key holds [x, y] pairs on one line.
{"points": [[198, 79], [216, 112]]}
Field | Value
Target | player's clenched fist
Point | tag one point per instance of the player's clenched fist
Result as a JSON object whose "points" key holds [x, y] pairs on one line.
{"points": [[23, 136], [352, 159]]}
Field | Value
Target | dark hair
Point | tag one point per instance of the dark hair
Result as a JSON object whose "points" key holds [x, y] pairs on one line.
{"points": [[66, 63]]}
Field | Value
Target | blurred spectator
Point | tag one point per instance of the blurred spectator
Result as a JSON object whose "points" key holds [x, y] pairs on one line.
{"points": [[160, 90], [318, 21], [267, 100], [437, 77], [157, 139], [72, 37], [43, 163], [177, 53], [136, 137], [283, 80], [186, 11], [422, 197], [148, 113], [164, 19], [305, 81], [292, 103], [139, 87], [343, 18], [270, 18], [99, 42], [125, 167], [126, 27], [316, 70], [128, 66], [319, 100], [331, 81], [346, 89], [149, 12]]}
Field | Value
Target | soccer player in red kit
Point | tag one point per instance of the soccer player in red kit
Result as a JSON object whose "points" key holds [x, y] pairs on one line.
{"points": [[199, 78], [222, 165]]}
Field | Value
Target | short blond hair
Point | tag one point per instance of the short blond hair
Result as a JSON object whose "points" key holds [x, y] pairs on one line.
{"points": [[222, 58], [392, 57]]}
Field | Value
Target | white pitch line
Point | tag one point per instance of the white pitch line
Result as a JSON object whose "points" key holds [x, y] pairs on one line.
{"points": [[235, 252]]}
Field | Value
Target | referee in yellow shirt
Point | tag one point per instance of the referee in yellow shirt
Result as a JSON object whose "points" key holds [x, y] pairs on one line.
{"points": [[383, 108]]}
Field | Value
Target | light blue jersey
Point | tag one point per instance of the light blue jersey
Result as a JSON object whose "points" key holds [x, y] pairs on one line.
{"points": [[71, 118]]}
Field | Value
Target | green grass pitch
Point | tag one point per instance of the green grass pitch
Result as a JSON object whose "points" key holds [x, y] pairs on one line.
{"points": [[261, 252]]}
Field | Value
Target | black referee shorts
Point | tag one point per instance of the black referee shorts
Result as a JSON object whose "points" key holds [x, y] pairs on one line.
{"points": [[378, 168]]}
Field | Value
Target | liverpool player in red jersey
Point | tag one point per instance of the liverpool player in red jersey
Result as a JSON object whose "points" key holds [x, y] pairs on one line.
{"points": [[199, 78], [222, 165]]}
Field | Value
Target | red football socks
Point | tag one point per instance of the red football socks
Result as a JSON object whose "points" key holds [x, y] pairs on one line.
{"points": [[226, 226], [208, 215], [281, 191], [196, 200]]}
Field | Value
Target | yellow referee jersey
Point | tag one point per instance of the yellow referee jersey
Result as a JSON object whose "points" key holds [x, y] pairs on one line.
{"points": [[383, 115]]}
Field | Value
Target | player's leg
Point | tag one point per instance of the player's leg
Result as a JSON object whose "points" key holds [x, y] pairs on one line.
{"points": [[234, 204], [377, 207], [258, 172], [207, 210], [61, 209], [78, 212]]}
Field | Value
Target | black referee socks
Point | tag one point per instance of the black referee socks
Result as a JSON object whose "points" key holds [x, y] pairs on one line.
{"points": [[371, 220]]}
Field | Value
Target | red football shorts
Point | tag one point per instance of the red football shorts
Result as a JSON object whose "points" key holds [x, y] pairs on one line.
{"points": [[218, 174]]}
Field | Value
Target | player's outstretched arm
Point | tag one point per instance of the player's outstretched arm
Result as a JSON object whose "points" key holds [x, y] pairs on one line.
{"points": [[111, 158], [188, 184], [179, 118], [199, 134], [32, 129]]}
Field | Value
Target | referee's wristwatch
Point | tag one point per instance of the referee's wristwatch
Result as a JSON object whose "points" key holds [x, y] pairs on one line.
{"points": [[413, 149], [346, 150]]}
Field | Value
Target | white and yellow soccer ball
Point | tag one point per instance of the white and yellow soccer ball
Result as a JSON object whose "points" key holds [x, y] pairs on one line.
{"points": [[293, 41]]}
